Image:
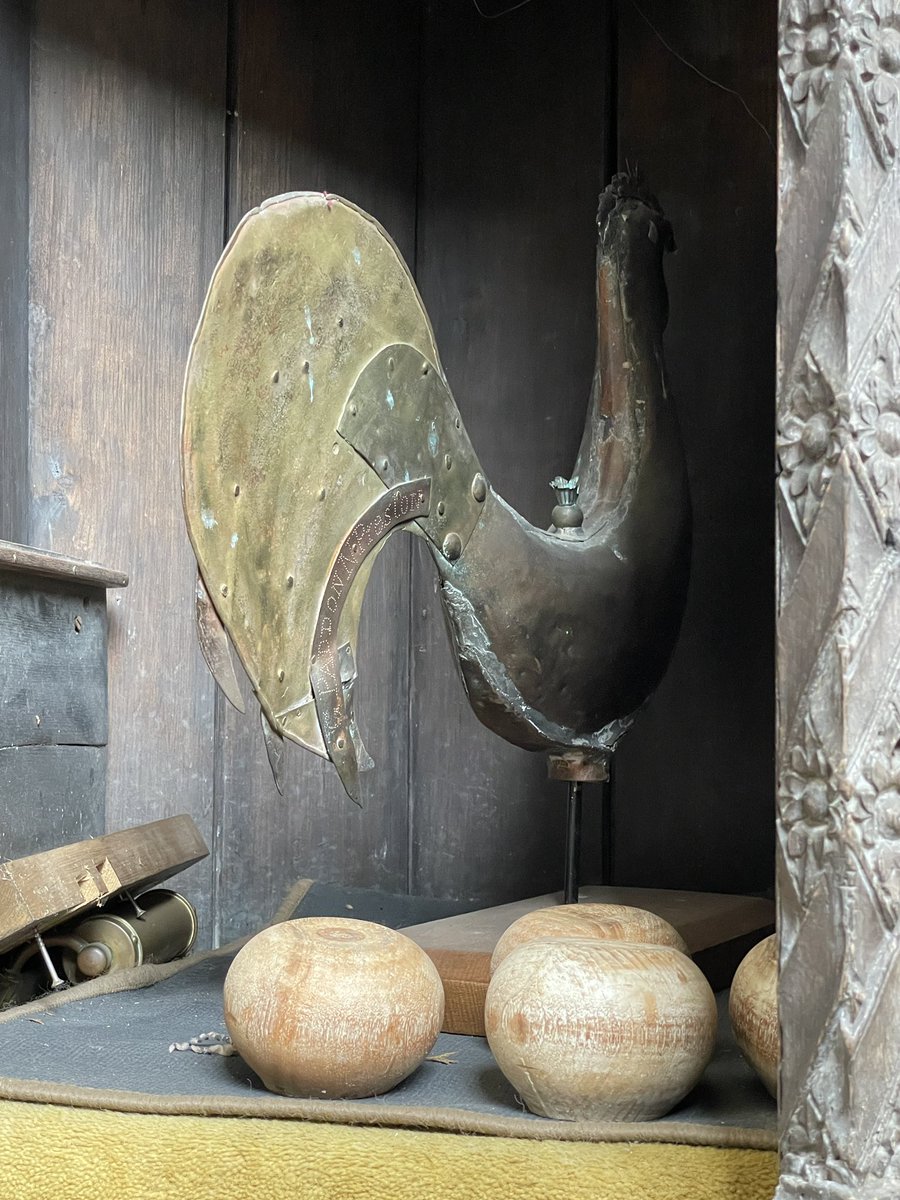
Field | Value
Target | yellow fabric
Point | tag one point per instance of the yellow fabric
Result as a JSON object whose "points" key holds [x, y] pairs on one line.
{"points": [[50, 1152]]}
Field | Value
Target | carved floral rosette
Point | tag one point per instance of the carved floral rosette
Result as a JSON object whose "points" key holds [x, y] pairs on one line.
{"points": [[838, 501]]}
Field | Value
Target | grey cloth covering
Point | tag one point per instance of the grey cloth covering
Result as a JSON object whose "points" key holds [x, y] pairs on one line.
{"points": [[115, 1044]]}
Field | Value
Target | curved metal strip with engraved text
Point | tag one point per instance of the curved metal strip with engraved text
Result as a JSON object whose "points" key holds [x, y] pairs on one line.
{"points": [[403, 503]]}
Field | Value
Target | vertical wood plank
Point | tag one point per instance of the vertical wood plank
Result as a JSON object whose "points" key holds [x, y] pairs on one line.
{"points": [[325, 99], [694, 795], [14, 68], [513, 155], [127, 188]]}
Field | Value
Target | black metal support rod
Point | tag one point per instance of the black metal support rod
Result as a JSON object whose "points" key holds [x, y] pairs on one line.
{"points": [[573, 844], [606, 827]]}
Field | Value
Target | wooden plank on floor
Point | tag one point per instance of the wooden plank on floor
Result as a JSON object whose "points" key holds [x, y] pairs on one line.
{"points": [[127, 196], [717, 929], [514, 153], [325, 100]]}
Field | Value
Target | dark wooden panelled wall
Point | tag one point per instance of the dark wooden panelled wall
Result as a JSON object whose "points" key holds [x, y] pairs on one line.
{"points": [[135, 133]]}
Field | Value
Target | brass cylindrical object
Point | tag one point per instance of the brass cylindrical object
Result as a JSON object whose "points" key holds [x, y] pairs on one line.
{"points": [[162, 928]]}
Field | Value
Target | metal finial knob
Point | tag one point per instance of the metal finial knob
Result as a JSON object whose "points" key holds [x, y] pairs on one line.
{"points": [[567, 513], [95, 959]]}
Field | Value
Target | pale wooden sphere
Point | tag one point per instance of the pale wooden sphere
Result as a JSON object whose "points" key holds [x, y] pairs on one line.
{"points": [[332, 1007], [753, 1008], [620, 922], [589, 1030]]}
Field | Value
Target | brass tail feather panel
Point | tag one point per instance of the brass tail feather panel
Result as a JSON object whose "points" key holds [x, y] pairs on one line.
{"points": [[307, 292], [402, 418]]}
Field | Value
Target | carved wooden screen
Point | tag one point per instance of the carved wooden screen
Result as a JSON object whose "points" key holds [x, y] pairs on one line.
{"points": [[839, 598]]}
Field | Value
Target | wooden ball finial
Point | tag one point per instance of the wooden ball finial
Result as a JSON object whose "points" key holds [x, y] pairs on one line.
{"points": [[753, 1008], [332, 1007], [617, 922], [600, 1030]]}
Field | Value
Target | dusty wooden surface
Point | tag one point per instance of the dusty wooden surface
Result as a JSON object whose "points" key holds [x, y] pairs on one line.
{"points": [[53, 703], [838, 506], [126, 202], [693, 802], [52, 663], [14, 88], [702, 918], [42, 889]]}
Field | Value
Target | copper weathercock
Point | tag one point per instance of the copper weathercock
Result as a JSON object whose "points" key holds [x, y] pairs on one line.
{"points": [[317, 421]]}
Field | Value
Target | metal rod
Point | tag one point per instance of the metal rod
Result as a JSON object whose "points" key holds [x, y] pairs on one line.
{"points": [[606, 827], [573, 844], [55, 982]]}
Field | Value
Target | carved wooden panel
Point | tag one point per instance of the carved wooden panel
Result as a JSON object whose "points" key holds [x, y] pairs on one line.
{"points": [[839, 598]]}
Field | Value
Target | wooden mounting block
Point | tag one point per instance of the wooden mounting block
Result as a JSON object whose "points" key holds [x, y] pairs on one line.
{"points": [[718, 929]]}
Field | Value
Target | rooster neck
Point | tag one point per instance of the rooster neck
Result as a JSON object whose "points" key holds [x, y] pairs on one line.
{"points": [[629, 414]]}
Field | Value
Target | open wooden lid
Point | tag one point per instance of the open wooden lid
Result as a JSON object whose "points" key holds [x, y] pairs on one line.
{"points": [[41, 890]]}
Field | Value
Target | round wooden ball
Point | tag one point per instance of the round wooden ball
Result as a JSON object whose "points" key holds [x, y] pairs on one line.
{"points": [[332, 1007], [620, 922], [753, 1008], [589, 1030]]}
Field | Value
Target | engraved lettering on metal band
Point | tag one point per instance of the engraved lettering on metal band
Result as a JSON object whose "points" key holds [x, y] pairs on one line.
{"points": [[403, 503]]}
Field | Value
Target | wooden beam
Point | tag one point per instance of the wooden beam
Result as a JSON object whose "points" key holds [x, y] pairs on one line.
{"points": [[14, 119], [127, 194], [47, 563]]}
